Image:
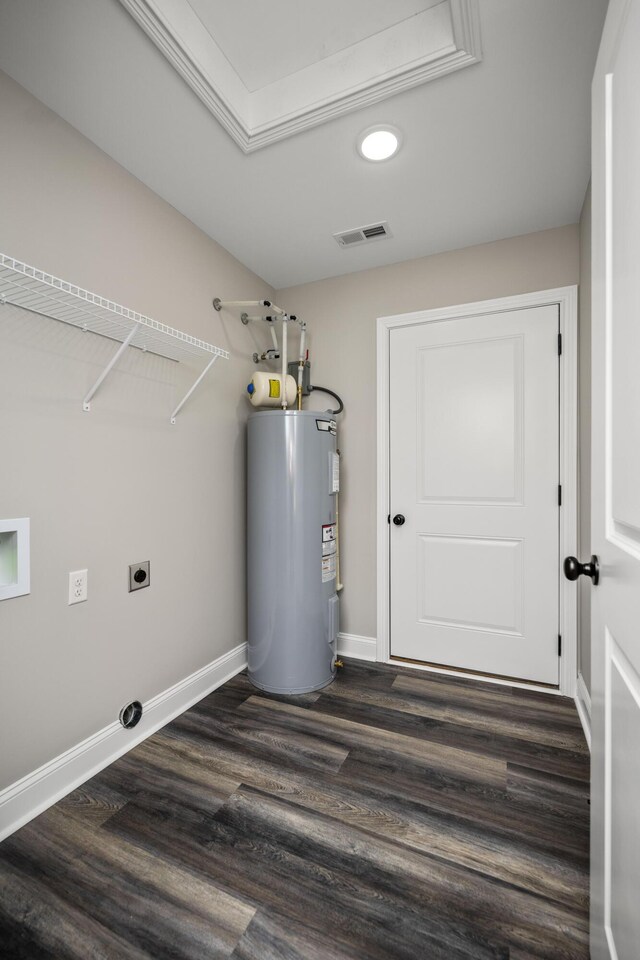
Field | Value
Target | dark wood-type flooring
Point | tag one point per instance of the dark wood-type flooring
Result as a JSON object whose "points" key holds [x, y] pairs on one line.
{"points": [[395, 815]]}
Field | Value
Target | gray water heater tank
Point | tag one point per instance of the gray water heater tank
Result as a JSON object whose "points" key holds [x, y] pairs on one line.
{"points": [[292, 481]]}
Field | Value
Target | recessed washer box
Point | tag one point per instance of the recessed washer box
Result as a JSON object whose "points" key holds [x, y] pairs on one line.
{"points": [[14, 558]]}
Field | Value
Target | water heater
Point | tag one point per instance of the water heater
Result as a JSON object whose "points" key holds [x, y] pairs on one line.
{"points": [[292, 482]]}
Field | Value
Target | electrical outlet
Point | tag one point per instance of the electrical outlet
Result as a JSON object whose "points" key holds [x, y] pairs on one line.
{"points": [[78, 586], [139, 575]]}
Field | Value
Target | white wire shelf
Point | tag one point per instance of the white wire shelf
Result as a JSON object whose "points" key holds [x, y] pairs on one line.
{"points": [[41, 293]]}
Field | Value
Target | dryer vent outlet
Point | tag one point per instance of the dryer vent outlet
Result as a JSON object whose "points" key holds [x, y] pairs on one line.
{"points": [[131, 714]]}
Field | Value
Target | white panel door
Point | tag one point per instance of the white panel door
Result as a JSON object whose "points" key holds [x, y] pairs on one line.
{"points": [[615, 633], [474, 453]]}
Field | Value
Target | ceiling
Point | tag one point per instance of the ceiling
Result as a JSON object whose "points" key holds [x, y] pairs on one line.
{"points": [[295, 42], [498, 149], [302, 65]]}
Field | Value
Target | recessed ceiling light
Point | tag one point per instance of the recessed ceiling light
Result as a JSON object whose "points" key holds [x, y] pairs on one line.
{"points": [[379, 143]]}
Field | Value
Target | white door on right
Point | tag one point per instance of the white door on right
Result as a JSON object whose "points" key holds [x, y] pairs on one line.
{"points": [[615, 524], [474, 437]]}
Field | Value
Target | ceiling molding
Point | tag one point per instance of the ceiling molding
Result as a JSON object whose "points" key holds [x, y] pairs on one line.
{"points": [[310, 96]]}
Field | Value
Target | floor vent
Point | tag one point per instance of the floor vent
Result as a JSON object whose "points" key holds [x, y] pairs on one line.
{"points": [[374, 231]]}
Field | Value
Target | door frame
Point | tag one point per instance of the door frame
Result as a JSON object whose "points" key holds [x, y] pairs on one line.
{"points": [[567, 300]]}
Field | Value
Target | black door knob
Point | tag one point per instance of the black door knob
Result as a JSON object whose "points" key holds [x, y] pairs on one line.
{"points": [[574, 569], [140, 575], [398, 519]]}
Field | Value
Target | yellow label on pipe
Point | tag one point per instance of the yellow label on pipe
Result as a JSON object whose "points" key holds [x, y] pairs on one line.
{"points": [[274, 388]]}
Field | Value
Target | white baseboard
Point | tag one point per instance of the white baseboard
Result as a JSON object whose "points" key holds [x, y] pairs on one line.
{"points": [[30, 796], [583, 705], [360, 648]]}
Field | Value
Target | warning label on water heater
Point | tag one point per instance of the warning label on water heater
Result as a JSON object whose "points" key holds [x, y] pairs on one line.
{"points": [[328, 568], [327, 426], [328, 534], [329, 548], [334, 473]]}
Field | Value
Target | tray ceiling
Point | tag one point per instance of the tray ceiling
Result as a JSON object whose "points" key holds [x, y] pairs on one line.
{"points": [[268, 71], [492, 152]]}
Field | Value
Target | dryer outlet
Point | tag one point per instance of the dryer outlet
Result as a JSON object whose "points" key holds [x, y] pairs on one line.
{"points": [[139, 575]]}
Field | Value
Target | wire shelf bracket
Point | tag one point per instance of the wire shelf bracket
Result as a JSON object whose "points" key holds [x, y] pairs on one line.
{"points": [[40, 292], [190, 391]]}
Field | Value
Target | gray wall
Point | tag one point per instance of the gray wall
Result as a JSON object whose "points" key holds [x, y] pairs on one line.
{"points": [[584, 467], [342, 313], [119, 484]]}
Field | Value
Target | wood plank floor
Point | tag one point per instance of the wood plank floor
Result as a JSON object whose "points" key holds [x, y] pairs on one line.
{"points": [[396, 815]]}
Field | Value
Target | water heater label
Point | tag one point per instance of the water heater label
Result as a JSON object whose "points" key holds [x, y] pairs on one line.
{"points": [[327, 426], [328, 532], [334, 470], [328, 568], [329, 549]]}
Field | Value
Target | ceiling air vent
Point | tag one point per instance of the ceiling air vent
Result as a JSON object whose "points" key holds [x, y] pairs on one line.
{"points": [[374, 231], [378, 231]]}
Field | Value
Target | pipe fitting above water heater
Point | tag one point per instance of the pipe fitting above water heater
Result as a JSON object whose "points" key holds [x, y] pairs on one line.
{"points": [[257, 396]]}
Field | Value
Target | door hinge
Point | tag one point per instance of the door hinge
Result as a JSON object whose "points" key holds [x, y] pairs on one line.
{"points": [[559, 645], [559, 344], [559, 494]]}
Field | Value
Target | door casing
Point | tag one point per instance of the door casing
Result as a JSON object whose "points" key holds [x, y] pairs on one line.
{"points": [[567, 300]]}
